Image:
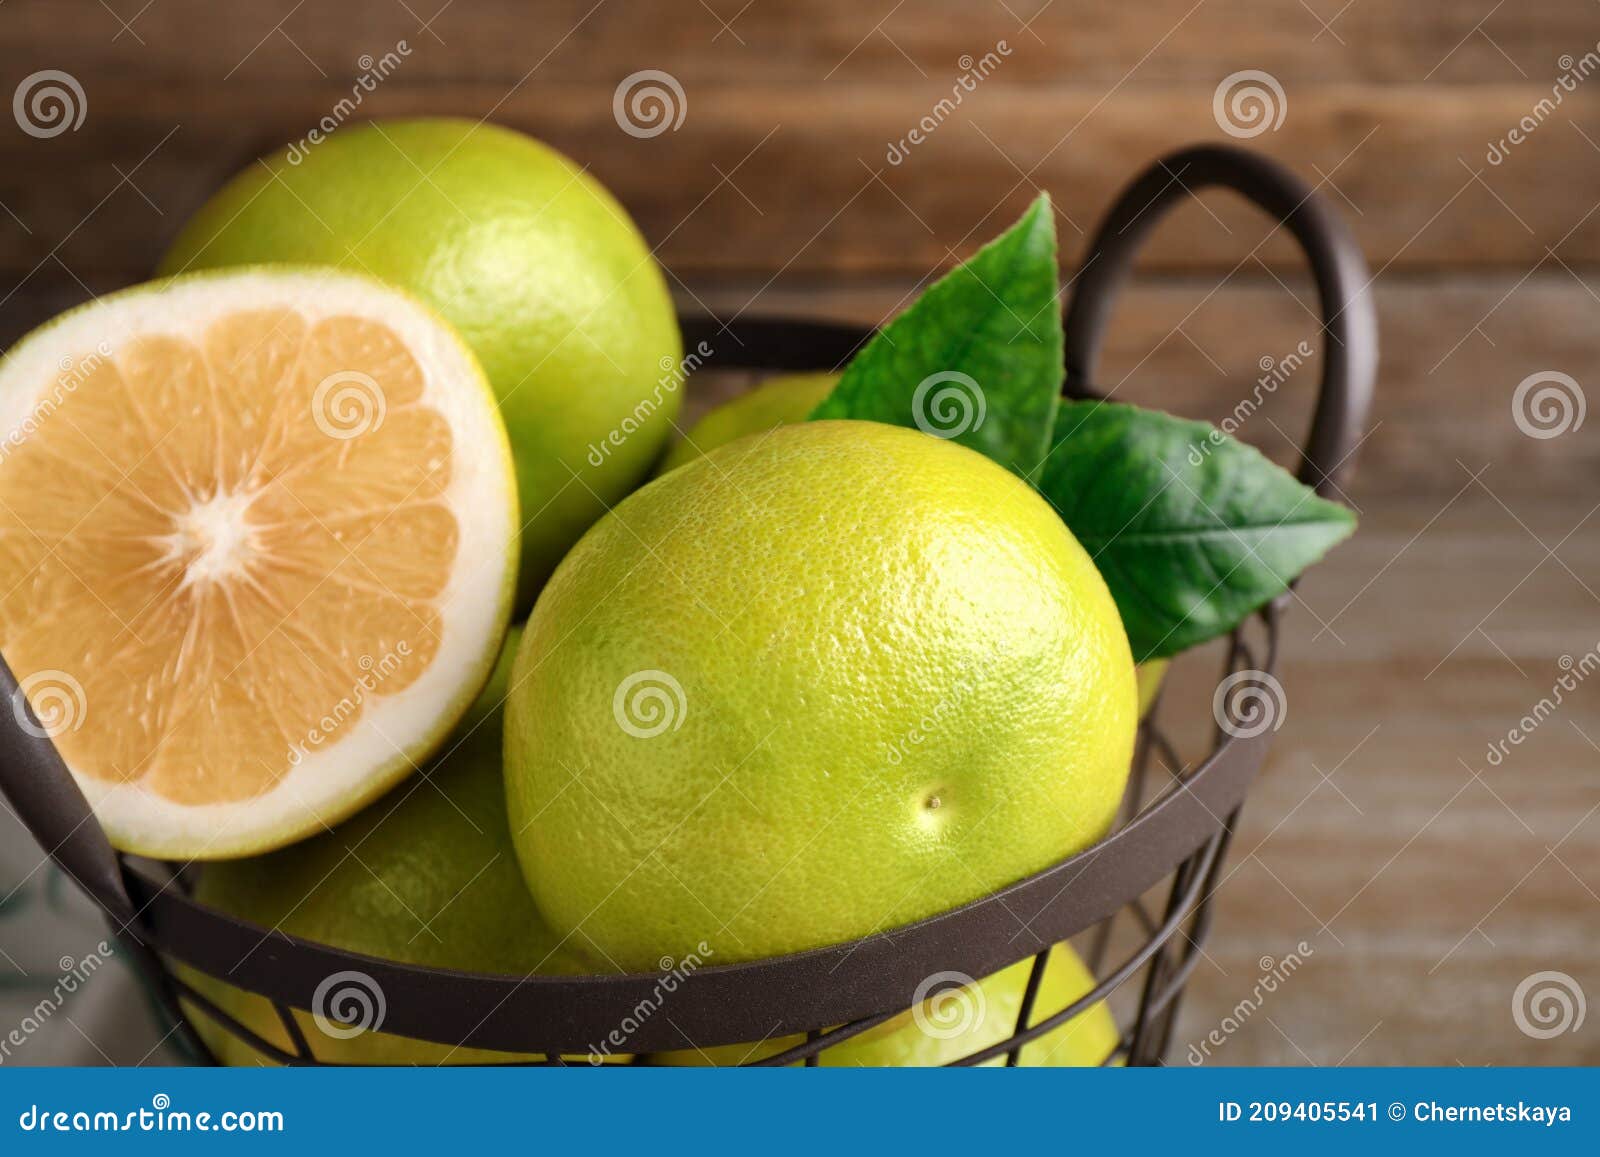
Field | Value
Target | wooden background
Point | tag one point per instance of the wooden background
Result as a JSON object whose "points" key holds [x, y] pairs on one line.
{"points": [[1428, 882]]}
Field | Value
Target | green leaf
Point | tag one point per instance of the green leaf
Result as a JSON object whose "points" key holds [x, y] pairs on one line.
{"points": [[977, 357], [1192, 529]]}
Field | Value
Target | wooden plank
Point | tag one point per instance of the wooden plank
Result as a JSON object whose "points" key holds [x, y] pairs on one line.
{"points": [[833, 42], [770, 177], [1427, 883]]}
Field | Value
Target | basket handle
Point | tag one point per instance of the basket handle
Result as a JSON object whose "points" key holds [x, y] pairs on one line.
{"points": [[1350, 361], [48, 801]]}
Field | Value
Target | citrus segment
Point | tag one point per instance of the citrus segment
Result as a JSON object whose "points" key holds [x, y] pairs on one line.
{"points": [[258, 529]]}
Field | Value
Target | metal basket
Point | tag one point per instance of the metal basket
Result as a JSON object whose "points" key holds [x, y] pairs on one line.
{"points": [[1176, 832]]}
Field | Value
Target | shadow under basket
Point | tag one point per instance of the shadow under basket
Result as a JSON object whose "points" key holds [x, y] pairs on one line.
{"points": [[1171, 839]]}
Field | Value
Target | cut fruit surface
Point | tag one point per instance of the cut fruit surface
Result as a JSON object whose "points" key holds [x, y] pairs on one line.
{"points": [[257, 549]]}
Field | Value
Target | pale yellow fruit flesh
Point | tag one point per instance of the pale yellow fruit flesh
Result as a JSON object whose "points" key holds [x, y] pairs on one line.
{"points": [[198, 541]]}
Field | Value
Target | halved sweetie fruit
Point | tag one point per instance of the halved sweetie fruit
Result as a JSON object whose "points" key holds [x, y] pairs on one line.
{"points": [[257, 550]]}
